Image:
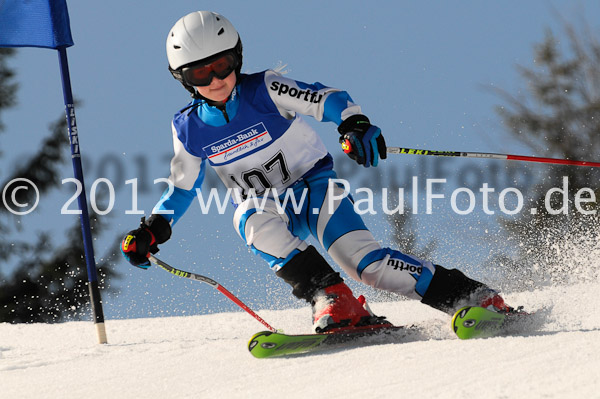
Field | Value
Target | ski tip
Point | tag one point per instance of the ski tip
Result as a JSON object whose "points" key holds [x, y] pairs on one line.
{"points": [[477, 322], [254, 341], [458, 316]]}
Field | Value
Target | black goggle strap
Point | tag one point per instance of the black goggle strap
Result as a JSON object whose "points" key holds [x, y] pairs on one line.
{"points": [[179, 77]]}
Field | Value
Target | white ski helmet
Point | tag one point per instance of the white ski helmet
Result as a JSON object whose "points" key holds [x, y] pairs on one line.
{"points": [[198, 36]]}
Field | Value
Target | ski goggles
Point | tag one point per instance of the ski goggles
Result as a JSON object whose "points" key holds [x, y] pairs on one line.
{"points": [[201, 73]]}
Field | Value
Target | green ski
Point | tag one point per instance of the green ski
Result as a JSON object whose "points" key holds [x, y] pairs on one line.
{"points": [[269, 344], [476, 322]]}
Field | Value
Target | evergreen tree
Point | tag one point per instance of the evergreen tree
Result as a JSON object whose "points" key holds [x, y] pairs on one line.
{"points": [[557, 115], [46, 281], [8, 88]]}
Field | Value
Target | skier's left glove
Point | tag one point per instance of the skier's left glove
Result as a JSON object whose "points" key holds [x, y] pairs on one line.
{"points": [[362, 141], [138, 244]]}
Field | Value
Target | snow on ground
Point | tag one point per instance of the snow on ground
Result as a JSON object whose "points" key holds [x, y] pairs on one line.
{"points": [[206, 357]]}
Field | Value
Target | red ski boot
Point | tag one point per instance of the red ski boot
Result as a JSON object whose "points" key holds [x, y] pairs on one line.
{"points": [[493, 301], [496, 303], [335, 308]]}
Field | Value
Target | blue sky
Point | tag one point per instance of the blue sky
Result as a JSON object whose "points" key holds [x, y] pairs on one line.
{"points": [[422, 71]]}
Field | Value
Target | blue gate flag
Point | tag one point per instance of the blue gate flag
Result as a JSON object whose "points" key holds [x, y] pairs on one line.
{"points": [[34, 23]]}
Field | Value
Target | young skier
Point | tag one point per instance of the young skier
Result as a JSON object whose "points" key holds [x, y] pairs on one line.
{"points": [[247, 127]]}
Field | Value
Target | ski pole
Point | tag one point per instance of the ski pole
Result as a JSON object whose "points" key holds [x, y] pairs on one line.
{"points": [[509, 157], [212, 283]]}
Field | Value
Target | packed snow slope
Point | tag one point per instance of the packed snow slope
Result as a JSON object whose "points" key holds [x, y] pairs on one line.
{"points": [[206, 357]]}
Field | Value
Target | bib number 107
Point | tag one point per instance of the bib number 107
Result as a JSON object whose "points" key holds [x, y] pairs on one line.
{"points": [[259, 179]]}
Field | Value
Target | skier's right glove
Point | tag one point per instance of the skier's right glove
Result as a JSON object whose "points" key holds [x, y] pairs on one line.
{"points": [[138, 244]]}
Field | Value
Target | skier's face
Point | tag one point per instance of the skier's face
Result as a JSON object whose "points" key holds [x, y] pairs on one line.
{"points": [[218, 90]]}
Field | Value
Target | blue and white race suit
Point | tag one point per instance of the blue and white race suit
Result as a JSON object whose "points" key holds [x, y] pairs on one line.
{"points": [[259, 143]]}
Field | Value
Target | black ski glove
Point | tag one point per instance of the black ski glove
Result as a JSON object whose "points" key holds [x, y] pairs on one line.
{"points": [[138, 244], [362, 141]]}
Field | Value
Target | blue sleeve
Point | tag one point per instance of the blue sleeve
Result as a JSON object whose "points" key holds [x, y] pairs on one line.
{"points": [[180, 200], [335, 104]]}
